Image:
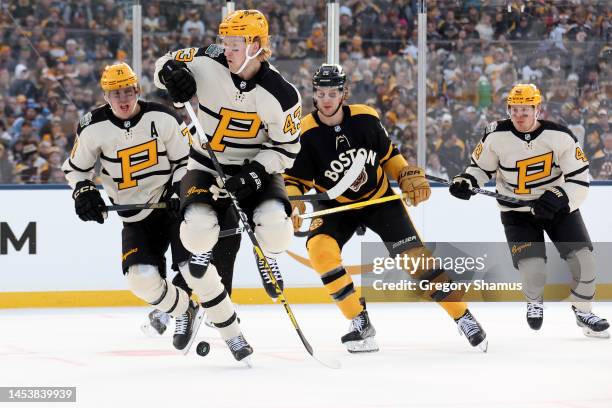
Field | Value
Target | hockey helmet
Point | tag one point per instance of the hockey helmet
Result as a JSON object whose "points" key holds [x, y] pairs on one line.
{"points": [[250, 24], [118, 76], [524, 94], [329, 75]]}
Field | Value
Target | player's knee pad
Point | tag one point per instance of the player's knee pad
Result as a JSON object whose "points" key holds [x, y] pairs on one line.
{"points": [[582, 267], [273, 227], [533, 276], [324, 253], [146, 283], [200, 229]]}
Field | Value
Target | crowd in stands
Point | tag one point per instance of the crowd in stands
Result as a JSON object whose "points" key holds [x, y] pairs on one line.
{"points": [[52, 53]]}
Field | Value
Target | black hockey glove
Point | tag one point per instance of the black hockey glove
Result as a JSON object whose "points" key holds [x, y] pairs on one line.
{"points": [[88, 202], [462, 185], [249, 180], [174, 203], [178, 81], [552, 202]]}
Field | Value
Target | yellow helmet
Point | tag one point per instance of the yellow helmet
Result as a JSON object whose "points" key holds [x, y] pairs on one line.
{"points": [[524, 94], [250, 24], [117, 76]]}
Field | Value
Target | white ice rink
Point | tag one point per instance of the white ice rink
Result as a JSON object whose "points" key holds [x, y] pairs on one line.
{"points": [[423, 362]]}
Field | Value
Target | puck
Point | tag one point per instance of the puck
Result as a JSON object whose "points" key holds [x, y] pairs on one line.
{"points": [[203, 348]]}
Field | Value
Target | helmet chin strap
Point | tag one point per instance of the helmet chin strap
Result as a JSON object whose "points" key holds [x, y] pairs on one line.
{"points": [[247, 59], [335, 111]]}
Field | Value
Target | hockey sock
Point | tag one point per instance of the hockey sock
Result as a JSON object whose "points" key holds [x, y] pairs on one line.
{"points": [[203, 278], [339, 285], [582, 267], [454, 309], [533, 276], [146, 283]]}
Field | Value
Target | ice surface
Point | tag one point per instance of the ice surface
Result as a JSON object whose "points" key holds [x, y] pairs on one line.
{"points": [[423, 361]]}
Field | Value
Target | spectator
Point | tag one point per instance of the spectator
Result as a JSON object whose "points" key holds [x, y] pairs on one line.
{"points": [[595, 132], [23, 85], [601, 163], [31, 168], [7, 167], [194, 27], [476, 50], [435, 168]]}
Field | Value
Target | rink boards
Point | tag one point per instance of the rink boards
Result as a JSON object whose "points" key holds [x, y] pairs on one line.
{"points": [[48, 257]]}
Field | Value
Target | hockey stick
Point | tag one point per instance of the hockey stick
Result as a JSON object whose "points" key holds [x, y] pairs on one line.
{"points": [[353, 206], [500, 197], [247, 227], [345, 182], [144, 206]]}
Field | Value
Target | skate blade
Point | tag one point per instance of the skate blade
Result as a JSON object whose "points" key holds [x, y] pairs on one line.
{"points": [[597, 335], [149, 331], [483, 345], [367, 345], [194, 331], [247, 362]]}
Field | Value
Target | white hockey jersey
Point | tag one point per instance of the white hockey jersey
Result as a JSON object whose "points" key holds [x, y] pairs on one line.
{"points": [[140, 158], [258, 119], [526, 164]]}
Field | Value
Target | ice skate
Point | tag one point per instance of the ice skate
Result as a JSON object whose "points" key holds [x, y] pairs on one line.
{"points": [[592, 325], [471, 329], [241, 350], [157, 324], [265, 276], [361, 335], [535, 315], [187, 326]]}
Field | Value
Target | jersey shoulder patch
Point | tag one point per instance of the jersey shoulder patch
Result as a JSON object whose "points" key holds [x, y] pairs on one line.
{"points": [[497, 126], [308, 122], [99, 114], [491, 127], [273, 82], [214, 52], [359, 109]]}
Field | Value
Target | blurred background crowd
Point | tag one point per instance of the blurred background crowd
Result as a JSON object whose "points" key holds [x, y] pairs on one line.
{"points": [[52, 53]]}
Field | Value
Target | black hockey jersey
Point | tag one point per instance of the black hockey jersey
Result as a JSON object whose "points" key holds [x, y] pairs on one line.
{"points": [[327, 151]]}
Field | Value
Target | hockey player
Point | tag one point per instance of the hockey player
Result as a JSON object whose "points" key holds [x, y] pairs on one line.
{"points": [[142, 148], [541, 161], [331, 136], [252, 116]]}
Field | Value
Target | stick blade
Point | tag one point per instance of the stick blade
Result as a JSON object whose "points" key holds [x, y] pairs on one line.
{"points": [[349, 176]]}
